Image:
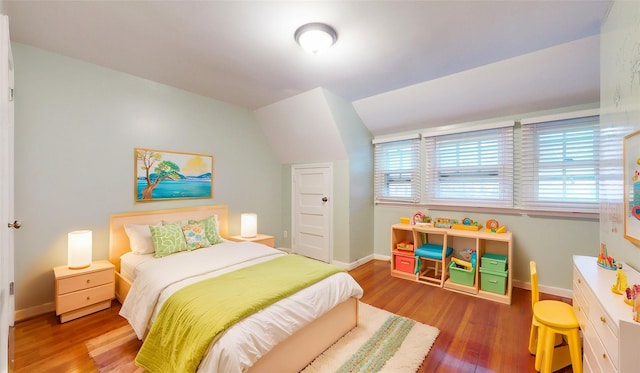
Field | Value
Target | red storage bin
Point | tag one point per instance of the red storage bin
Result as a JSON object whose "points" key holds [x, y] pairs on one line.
{"points": [[404, 263]]}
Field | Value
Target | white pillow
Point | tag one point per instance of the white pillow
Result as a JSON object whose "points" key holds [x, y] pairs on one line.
{"points": [[140, 238]]}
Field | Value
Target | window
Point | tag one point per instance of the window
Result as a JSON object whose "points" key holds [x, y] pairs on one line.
{"points": [[397, 170], [560, 164], [471, 168]]}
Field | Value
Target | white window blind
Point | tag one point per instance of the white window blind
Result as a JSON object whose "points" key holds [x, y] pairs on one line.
{"points": [[397, 171], [471, 168], [560, 162]]}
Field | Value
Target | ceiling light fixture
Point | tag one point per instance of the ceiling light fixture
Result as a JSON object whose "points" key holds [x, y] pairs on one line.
{"points": [[316, 38]]}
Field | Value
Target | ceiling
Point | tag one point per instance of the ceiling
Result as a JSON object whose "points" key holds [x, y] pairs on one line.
{"points": [[244, 53]]}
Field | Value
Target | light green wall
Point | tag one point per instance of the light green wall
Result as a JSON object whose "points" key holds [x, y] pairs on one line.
{"points": [[620, 113], [76, 125], [357, 180], [551, 242]]}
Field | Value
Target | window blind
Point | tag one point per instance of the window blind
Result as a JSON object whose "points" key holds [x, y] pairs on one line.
{"points": [[470, 169], [560, 165], [397, 171]]}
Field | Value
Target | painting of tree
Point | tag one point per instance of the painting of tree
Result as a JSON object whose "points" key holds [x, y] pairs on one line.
{"points": [[170, 175]]}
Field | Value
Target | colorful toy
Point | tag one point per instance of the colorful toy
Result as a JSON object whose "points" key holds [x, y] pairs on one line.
{"points": [[462, 263], [467, 224], [621, 284], [444, 222], [469, 255], [418, 217], [494, 227], [604, 260]]}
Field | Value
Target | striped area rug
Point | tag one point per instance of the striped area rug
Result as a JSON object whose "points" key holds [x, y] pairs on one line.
{"points": [[382, 342]]}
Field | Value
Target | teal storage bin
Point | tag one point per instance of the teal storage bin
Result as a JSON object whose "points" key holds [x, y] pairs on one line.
{"points": [[494, 262], [493, 281], [461, 275]]}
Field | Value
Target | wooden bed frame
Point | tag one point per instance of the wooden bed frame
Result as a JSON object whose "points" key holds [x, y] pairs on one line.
{"points": [[291, 355]]}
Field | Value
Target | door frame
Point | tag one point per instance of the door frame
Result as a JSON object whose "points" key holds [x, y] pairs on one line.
{"points": [[7, 318], [329, 167]]}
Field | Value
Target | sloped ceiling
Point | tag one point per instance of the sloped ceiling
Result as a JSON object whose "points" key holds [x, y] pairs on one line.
{"points": [[243, 52]]}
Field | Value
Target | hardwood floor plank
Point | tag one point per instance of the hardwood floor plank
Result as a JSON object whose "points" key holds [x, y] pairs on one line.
{"points": [[476, 335]]}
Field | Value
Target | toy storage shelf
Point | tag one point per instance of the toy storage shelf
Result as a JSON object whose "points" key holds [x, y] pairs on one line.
{"points": [[400, 233], [484, 242]]}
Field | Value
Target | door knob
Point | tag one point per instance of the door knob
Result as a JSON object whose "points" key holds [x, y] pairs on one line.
{"points": [[15, 225], [324, 199]]}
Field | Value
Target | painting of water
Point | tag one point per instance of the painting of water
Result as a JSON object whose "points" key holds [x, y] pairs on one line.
{"points": [[165, 175]]}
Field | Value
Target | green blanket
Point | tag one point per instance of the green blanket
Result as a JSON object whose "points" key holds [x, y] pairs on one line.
{"points": [[196, 315]]}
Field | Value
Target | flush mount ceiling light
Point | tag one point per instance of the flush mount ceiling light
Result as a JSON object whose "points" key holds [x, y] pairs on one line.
{"points": [[316, 38]]}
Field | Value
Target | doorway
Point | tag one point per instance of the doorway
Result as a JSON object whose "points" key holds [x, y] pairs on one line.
{"points": [[312, 209]]}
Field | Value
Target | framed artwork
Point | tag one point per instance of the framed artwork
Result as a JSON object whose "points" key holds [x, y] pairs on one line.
{"points": [[163, 175], [631, 152]]}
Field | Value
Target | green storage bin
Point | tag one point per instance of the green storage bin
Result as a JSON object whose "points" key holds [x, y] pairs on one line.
{"points": [[494, 262], [461, 275], [493, 281]]}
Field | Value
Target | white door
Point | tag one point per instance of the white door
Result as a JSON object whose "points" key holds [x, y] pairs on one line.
{"points": [[7, 307], [311, 202]]}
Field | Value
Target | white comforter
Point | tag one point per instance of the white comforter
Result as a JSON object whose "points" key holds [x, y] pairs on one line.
{"points": [[248, 340]]}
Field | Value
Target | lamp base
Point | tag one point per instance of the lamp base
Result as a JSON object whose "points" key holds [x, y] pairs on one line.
{"points": [[79, 267]]}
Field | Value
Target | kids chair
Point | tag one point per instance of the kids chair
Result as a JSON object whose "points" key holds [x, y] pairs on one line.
{"points": [[438, 255], [552, 319]]}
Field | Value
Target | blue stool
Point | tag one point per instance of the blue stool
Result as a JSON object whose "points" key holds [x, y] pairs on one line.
{"points": [[437, 274]]}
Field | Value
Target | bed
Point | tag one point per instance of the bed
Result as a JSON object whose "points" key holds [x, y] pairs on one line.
{"points": [[274, 342]]}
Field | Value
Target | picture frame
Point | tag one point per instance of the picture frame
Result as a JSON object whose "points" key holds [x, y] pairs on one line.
{"points": [[631, 162], [161, 175]]}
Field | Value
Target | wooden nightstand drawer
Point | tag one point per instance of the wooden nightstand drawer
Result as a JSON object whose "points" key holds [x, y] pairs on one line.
{"points": [[84, 298], [86, 281], [83, 291]]}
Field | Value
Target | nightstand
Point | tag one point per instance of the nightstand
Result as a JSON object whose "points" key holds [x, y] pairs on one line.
{"points": [[80, 292], [259, 238]]}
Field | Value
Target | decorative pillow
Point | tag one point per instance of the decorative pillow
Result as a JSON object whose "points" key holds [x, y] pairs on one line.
{"points": [[140, 238], [167, 239], [194, 236], [210, 229]]}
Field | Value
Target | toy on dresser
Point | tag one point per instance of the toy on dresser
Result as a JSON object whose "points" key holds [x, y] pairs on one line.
{"points": [[633, 299], [621, 284], [606, 261]]}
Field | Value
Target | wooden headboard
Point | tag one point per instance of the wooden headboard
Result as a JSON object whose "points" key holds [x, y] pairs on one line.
{"points": [[119, 241]]}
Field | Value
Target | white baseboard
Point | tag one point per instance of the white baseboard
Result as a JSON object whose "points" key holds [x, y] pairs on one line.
{"points": [[560, 292], [30, 312]]}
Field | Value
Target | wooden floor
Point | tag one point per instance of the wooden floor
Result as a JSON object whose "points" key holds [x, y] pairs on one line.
{"points": [[476, 335]]}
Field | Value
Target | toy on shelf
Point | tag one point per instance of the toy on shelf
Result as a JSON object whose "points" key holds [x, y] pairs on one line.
{"points": [[621, 284], [462, 263], [404, 246], [405, 220], [421, 219], [606, 261], [468, 225], [494, 227], [444, 222], [470, 256]]}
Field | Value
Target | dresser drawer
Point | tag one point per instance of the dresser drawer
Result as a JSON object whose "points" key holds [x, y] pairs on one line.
{"points": [[602, 324], [580, 306], [595, 353], [83, 298], [85, 281]]}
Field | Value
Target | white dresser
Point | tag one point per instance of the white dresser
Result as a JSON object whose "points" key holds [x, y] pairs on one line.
{"points": [[610, 336]]}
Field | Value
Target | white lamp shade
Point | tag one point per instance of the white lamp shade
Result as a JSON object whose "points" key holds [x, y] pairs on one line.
{"points": [[248, 225], [79, 249]]}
